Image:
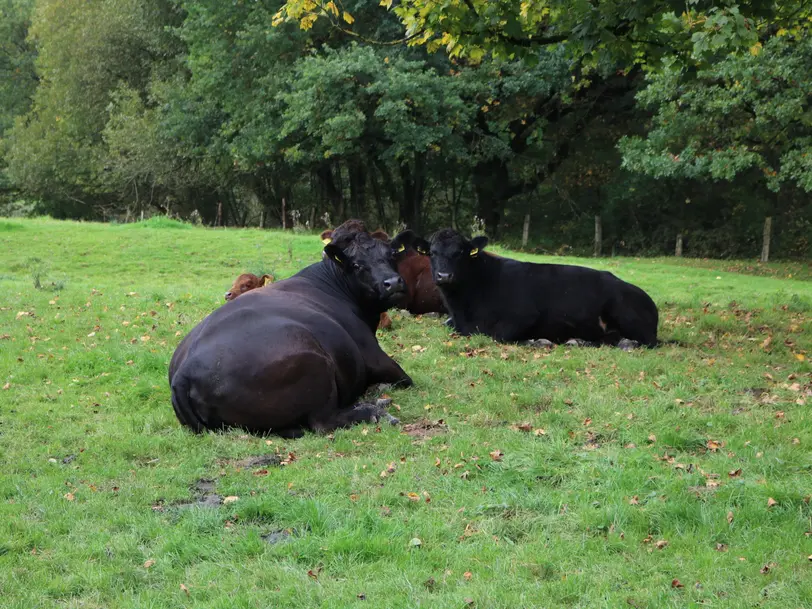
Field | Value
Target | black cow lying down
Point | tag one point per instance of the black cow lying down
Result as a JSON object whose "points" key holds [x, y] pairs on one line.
{"points": [[297, 355], [513, 301]]}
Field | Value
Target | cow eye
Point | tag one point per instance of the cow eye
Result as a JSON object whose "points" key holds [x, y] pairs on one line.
{"points": [[242, 288]]}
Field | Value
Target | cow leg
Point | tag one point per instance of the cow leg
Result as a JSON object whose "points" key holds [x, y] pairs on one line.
{"points": [[626, 344], [383, 369], [363, 412], [542, 343]]}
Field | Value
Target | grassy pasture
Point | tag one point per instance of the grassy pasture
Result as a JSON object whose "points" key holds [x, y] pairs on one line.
{"points": [[675, 477]]}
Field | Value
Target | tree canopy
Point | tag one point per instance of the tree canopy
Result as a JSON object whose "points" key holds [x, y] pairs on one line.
{"points": [[660, 118]]}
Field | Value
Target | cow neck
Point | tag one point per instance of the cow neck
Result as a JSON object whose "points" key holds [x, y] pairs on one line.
{"points": [[466, 294], [329, 278]]}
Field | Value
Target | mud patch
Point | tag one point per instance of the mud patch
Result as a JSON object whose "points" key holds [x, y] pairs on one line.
{"points": [[256, 461], [425, 428], [206, 498], [280, 536]]}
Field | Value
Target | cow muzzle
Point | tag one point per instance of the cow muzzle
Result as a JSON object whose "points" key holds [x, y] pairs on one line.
{"points": [[228, 295], [393, 285], [443, 278]]}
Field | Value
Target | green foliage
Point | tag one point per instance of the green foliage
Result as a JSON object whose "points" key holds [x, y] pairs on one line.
{"points": [[743, 113]]}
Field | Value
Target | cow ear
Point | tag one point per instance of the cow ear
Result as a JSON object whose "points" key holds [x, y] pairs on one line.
{"points": [[266, 280], [326, 236], [403, 240], [334, 253], [380, 235], [478, 244]]}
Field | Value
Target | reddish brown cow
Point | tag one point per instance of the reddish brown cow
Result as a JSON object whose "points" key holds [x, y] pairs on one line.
{"points": [[424, 297], [247, 282]]}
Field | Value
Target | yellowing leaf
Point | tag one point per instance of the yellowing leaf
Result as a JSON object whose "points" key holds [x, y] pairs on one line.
{"points": [[348, 18], [331, 6], [755, 49]]}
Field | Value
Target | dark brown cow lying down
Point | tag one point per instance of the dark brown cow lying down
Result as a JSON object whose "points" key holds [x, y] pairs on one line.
{"points": [[297, 356], [247, 282]]}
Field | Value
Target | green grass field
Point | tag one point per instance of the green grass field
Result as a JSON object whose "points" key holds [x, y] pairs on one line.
{"points": [[674, 477]]}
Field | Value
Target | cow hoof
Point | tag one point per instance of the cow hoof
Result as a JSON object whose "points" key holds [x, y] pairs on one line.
{"points": [[542, 343], [627, 344], [392, 420], [383, 387]]}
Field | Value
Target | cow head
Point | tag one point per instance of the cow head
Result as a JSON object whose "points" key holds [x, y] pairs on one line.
{"points": [[369, 265], [452, 255], [247, 282]]}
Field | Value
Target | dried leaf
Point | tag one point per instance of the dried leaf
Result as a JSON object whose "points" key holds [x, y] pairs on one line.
{"points": [[768, 567], [185, 589], [415, 542], [660, 544], [721, 547], [675, 583], [735, 473], [730, 517], [230, 499], [467, 575], [767, 342], [496, 455], [587, 422], [6, 386], [634, 500], [771, 502], [413, 496], [69, 496], [539, 432], [149, 563]]}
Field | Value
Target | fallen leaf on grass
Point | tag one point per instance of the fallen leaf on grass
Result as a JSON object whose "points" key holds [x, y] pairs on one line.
{"points": [[735, 473], [185, 589], [675, 583], [314, 573], [522, 427], [6, 386], [496, 455], [768, 567], [721, 547], [149, 563], [230, 499], [587, 422], [771, 502], [539, 432], [767, 342], [634, 500], [69, 496], [714, 445], [415, 542], [730, 517], [660, 544], [467, 575], [413, 496]]}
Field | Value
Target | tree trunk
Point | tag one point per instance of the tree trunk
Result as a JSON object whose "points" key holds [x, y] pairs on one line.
{"points": [[219, 221], [765, 248], [358, 180], [598, 236], [678, 249], [262, 219], [525, 230], [284, 213]]}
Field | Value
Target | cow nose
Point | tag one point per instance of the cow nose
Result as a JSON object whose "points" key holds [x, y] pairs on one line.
{"points": [[228, 295], [443, 278], [393, 284]]}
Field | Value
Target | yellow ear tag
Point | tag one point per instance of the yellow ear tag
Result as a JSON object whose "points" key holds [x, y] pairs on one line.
{"points": [[420, 250], [474, 252], [268, 281], [326, 240], [401, 248], [339, 260]]}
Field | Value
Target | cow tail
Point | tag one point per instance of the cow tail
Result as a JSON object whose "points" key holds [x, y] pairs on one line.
{"points": [[182, 403]]}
